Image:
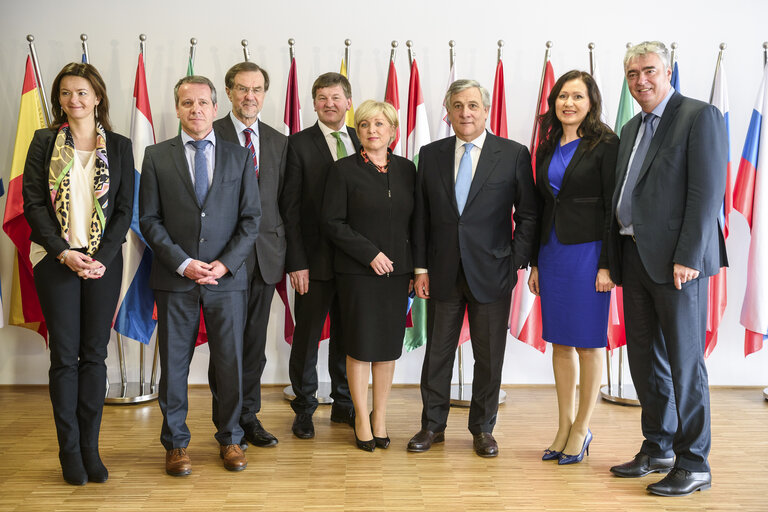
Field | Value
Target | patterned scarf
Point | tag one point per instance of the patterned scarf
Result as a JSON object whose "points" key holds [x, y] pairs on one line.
{"points": [[62, 161]]}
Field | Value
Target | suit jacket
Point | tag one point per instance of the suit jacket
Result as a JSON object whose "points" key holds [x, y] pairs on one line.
{"points": [[367, 212], [581, 212], [481, 238], [301, 203], [679, 191], [176, 227], [270, 243], [38, 208]]}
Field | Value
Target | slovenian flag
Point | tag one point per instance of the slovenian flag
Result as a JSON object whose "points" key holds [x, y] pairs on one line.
{"points": [[750, 194], [134, 312]]}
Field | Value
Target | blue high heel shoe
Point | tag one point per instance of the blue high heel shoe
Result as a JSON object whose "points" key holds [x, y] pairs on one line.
{"points": [[551, 454], [573, 459]]}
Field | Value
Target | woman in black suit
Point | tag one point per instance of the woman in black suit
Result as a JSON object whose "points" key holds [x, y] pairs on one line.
{"points": [[367, 211], [78, 201], [575, 166]]}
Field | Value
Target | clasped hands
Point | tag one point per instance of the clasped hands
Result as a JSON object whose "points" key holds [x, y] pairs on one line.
{"points": [[205, 273], [85, 266]]}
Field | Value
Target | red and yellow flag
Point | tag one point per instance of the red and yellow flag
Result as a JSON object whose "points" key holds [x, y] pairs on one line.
{"points": [[25, 307]]}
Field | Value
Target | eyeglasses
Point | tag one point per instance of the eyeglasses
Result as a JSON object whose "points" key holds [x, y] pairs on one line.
{"points": [[241, 89]]}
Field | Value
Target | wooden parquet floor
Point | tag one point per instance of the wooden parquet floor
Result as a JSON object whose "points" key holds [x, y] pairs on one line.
{"points": [[329, 474]]}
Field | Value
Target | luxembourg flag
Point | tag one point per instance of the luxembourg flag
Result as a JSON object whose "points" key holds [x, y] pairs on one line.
{"points": [[134, 313], [749, 198]]}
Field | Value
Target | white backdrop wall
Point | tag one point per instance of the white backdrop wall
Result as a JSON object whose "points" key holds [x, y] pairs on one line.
{"points": [[320, 29]]}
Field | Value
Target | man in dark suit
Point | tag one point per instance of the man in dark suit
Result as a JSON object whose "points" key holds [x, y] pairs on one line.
{"points": [[309, 259], [199, 212], [665, 241], [247, 85], [466, 257]]}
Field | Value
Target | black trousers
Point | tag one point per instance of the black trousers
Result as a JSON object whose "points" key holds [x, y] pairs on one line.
{"points": [[260, 296], [488, 329], [311, 310], [78, 313], [178, 320], [666, 331]]}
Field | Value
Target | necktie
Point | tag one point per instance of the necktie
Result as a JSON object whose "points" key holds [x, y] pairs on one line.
{"points": [[341, 149], [625, 207], [201, 169], [249, 146], [464, 177]]}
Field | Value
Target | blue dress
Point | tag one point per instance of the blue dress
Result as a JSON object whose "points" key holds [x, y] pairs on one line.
{"points": [[572, 312]]}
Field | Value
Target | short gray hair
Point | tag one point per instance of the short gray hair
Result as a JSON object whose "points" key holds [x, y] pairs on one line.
{"points": [[462, 85], [193, 79], [645, 48]]}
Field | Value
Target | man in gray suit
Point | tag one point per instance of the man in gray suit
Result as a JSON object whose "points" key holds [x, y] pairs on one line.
{"points": [[199, 212], [247, 85], [665, 242]]}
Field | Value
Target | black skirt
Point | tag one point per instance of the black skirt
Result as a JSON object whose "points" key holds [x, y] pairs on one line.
{"points": [[373, 310]]}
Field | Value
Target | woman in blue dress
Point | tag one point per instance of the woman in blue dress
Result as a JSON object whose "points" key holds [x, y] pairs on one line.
{"points": [[575, 164]]}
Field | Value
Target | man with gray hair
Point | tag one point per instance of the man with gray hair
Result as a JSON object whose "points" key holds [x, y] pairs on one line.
{"points": [[665, 241], [199, 213], [466, 258]]}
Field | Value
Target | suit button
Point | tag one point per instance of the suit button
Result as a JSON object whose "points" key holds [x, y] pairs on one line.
{"points": [[202, 240], [202, 214]]}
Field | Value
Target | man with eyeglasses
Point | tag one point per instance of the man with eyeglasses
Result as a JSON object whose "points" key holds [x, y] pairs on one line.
{"points": [[246, 86]]}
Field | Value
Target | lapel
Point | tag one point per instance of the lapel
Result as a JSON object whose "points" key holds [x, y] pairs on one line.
{"points": [[226, 130], [321, 145], [489, 156], [445, 163], [542, 173], [266, 156], [667, 118], [180, 161], [353, 137], [581, 150], [220, 166]]}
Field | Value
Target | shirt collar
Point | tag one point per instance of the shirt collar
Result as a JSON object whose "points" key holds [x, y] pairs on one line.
{"points": [[659, 110], [327, 130], [478, 142], [240, 126], [185, 137]]}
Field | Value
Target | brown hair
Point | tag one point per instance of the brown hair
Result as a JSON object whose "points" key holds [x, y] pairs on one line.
{"points": [[242, 67], [329, 80], [90, 73], [592, 129]]}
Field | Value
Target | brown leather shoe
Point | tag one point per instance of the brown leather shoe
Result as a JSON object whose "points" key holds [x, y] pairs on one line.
{"points": [[485, 445], [233, 456], [424, 439], [177, 462]]}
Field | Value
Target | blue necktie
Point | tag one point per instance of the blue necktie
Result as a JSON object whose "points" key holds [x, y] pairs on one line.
{"points": [[624, 213], [464, 177], [201, 169]]}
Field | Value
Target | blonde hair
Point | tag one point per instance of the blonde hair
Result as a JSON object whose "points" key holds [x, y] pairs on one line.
{"points": [[370, 108]]}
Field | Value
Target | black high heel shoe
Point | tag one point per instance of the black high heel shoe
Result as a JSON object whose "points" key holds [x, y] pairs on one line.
{"points": [[381, 442], [368, 446]]}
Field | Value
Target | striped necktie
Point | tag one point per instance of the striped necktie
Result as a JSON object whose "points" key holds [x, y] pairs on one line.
{"points": [[249, 146]]}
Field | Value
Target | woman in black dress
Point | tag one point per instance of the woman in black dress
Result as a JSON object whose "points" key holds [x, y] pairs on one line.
{"points": [[367, 211], [78, 201]]}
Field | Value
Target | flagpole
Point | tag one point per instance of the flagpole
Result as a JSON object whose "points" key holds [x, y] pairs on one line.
{"points": [[39, 79], [411, 54], [192, 50], [347, 44], [500, 50], [591, 47], [717, 66], [765, 53], [452, 52], [547, 53], [673, 56], [84, 44], [246, 51], [291, 50]]}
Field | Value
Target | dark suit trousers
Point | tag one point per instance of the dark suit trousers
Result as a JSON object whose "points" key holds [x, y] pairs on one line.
{"points": [[79, 314], [311, 310], [260, 296], [488, 328], [178, 318], [665, 343]]}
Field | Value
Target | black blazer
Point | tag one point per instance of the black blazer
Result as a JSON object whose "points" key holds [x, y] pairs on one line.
{"points": [[301, 202], [481, 238], [581, 212], [367, 212], [270, 243], [38, 208], [678, 194], [176, 227]]}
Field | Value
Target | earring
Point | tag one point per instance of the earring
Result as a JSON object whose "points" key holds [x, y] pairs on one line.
{"points": [[95, 112]]}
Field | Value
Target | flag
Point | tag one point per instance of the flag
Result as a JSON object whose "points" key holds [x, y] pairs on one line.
{"points": [[498, 112], [525, 313], [190, 72], [675, 80], [599, 83], [417, 135], [24, 306], [626, 109], [392, 96], [718, 292], [292, 115], [84, 58], [750, 197], [134, 311], [444, 128], [2, 313], [350, 119]]}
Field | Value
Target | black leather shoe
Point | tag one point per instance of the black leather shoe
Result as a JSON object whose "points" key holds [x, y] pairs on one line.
{"points": [[642, 465], [424, 439], [681, 482], [341, 414], [257, 436], [96, 470], [303, 428], [485, 445]]}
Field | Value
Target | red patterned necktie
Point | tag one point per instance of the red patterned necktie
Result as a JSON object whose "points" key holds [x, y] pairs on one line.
{"points": [[249, 145]]}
